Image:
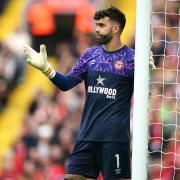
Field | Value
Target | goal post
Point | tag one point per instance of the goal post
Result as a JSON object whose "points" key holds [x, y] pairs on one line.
{"points": [[141, 88]]}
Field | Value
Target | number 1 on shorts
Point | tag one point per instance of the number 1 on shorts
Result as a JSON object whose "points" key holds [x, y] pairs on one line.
{"points": [[117, 160]]}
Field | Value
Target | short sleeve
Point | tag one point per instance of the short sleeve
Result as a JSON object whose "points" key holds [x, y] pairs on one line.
{"points": [[80, 68]]}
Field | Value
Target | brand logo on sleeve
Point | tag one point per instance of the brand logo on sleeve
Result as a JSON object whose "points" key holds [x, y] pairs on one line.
{"points": [[109, 92], [119, 65]]}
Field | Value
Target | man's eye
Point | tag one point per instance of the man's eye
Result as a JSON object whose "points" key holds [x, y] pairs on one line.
{"points": [[101, 25]]}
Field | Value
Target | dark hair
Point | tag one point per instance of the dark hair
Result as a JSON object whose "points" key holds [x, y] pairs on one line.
{"points": [[114, 14]]}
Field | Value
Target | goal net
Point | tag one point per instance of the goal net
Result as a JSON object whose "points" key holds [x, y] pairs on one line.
{"points": [[164, 124]]}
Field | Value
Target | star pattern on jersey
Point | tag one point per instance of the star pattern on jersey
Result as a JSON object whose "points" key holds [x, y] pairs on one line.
{"points": [[100, 80]]}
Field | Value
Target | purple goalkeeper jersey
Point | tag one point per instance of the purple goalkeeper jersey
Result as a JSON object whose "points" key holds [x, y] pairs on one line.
{"points": [[108, 78]]}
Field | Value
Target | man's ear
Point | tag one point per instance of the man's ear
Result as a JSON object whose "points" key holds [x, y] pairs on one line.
{"points": [[116, 28]]}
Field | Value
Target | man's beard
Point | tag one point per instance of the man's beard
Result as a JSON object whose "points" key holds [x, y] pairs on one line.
{"points": [[104, 39]]}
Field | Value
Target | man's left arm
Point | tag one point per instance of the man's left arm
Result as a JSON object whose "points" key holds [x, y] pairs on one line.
{"points": [[152, 67]]}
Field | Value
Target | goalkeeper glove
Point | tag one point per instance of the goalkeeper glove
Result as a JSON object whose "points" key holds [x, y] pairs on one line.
{"points": [[152, 67], [39, 60]]}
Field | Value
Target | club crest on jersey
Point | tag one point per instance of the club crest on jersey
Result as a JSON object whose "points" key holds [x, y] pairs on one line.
{"points": [[119, 65]]}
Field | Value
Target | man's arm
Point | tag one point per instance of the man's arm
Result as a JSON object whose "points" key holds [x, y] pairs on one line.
{"points": [[39, 61], [64, 82]]}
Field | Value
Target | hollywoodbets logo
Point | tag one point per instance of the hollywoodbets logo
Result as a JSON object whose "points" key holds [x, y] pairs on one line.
{"points": [[109, 92]]}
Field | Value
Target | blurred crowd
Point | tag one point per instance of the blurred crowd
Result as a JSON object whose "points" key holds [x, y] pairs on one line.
{"points": [[12, 64], [51, 123]]}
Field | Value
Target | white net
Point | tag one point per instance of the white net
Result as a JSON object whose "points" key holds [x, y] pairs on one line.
{"points": [[164, 127]]}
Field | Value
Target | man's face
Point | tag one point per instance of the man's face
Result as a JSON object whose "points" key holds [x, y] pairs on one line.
{"points": [[104, 30]]}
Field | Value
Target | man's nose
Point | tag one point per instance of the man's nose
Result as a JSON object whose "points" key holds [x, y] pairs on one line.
{"points": [[97, 30]]}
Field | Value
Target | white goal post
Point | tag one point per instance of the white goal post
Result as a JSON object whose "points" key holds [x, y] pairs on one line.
{"points": [[141, 86]]}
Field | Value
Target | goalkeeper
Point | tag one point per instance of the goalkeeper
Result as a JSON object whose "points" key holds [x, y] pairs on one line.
{"points": [[103, 143]]}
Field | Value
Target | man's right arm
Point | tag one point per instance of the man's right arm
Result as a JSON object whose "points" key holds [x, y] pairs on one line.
{"points": [[64, 82], [39, 61]]}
